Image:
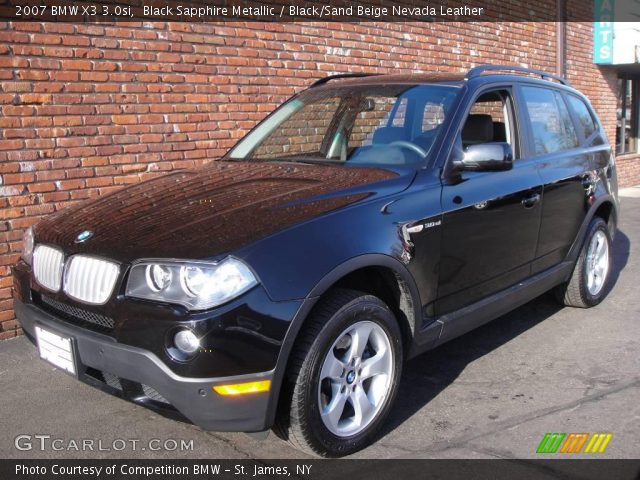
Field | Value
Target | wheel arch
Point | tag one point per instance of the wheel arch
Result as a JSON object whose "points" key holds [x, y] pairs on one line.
{"points": [[609, 213], [605, 207], [406, 307], [392, 273]]}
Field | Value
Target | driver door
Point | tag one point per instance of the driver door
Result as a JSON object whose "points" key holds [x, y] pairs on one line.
{"points": [[491, 219]]}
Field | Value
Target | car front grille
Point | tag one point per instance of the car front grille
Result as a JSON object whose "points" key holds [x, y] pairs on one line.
{"points": [[48, 263], [90, 279], [86, 279], [76, 315]]}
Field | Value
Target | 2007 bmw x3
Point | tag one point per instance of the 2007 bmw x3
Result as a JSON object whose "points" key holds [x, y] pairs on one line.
{"points": [[367, 220]]}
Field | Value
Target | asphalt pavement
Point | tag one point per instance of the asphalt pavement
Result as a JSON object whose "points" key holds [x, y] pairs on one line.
{"points": [[492, 393]]}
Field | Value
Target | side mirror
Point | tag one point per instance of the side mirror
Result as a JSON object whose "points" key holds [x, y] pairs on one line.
{"points": [[486, 157]]}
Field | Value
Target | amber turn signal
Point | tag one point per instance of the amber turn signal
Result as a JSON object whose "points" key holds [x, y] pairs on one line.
{"points": [[242, 388]]}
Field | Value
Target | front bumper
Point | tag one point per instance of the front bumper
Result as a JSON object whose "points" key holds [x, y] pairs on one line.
{"points": [[137, 375]]}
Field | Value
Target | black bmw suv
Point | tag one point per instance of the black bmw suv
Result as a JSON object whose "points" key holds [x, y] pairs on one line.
{"points": [[366, 220]]}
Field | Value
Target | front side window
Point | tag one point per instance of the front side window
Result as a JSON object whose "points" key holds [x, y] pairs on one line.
{"points": [[490, 120], [551, 124], [364, 124]]}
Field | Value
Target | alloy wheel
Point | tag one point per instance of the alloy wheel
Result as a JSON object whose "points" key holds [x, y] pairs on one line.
{"points": [[597, 262], [355, 378]]}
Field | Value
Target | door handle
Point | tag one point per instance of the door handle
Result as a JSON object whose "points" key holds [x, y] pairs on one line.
{"points": [[531, 200]]}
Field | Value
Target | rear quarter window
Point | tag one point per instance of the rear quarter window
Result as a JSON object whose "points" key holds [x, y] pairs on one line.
{"points": [[583, 114]]}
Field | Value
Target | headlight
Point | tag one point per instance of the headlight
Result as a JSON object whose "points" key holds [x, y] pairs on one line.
{"points": [[196, 285], [158, 277], [27, 245]]}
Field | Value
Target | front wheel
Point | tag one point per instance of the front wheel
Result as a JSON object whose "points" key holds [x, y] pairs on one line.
{"points": [[343, 375], [589, 282]]}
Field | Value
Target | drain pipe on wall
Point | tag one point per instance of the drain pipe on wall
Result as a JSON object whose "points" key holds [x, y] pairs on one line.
{"points": [[561, 32]]}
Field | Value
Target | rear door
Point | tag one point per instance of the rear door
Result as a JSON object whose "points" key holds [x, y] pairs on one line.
{"points": [[555, 144], [491, 219]]}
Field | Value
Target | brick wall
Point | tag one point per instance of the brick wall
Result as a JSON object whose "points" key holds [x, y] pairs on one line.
{"points": [[85, 109]]}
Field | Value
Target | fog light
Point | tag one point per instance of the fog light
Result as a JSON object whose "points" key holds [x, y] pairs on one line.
{"points": [[186, 341]]}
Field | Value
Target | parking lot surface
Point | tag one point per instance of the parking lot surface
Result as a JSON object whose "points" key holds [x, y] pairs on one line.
{"points": [[492, 393]]}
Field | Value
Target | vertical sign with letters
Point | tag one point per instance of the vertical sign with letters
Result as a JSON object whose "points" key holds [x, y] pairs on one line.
{"points": [[603, 31]]}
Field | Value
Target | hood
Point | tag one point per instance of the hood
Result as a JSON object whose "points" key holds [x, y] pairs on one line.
{"points": [[212, 210]]}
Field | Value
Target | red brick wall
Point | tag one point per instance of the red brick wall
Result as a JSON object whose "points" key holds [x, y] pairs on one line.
{"points": [[600, 84], [628, 167], [85, 109]]}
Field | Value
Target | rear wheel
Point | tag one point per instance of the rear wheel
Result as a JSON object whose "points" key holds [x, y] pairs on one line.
{"points": [[589, 282], [343, 375]]}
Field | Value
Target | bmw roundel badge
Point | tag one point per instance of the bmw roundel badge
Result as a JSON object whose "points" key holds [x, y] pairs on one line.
{"points": [[84, 236]]}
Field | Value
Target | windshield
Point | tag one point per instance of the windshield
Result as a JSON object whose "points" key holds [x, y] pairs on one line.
{"points": [[370, 125]]}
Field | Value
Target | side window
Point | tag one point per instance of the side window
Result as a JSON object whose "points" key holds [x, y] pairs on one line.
{"points": [[490, 120], [583, 114], [551, 124]]}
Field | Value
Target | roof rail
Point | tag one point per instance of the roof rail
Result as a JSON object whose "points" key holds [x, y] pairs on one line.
{"points": [[324, 80], [477, 71]]}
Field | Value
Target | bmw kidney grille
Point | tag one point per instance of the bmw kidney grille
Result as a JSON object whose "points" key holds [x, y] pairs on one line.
{"points": [[84, 278]]}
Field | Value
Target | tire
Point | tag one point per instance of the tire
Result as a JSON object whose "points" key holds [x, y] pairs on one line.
{"points": [[325, 367], [584, 290]]}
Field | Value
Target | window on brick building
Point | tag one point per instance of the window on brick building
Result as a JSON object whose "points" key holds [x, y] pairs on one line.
{"points": [[627, 117]]}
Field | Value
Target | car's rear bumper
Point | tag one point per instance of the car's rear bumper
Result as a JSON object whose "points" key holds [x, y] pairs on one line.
{"points": [[139, 376]]}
